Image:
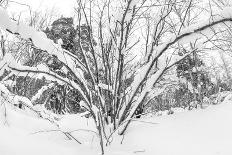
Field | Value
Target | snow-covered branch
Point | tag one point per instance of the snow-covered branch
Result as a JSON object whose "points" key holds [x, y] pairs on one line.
{"points": [[140, 79], [41, 41]]}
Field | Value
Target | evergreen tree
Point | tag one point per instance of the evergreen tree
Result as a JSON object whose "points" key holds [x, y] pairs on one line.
{"points": [[197, 79]]}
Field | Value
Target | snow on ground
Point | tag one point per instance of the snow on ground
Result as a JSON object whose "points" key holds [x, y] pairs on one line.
{"points": [[82, 128], [13, 143], [22, 134], [197, 132]]}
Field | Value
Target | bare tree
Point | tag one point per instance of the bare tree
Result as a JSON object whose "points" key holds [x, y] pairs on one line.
{"points": [[116, 85]]}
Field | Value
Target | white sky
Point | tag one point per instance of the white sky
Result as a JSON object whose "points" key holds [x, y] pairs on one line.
{"points": [[63, 7]]}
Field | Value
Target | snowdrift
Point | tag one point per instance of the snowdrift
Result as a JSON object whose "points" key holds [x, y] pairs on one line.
{"points": [[197, 132], [24, 134]]}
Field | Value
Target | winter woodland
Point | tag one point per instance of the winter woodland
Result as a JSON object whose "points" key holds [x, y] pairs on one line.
{"points": [[117, 77]]}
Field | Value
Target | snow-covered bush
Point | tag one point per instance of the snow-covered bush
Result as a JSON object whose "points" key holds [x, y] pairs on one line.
{"points": [[107, 63]]}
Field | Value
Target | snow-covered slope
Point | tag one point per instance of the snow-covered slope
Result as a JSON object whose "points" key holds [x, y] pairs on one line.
{"points": [[13, 143], [24, 134], [199, 132]]}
